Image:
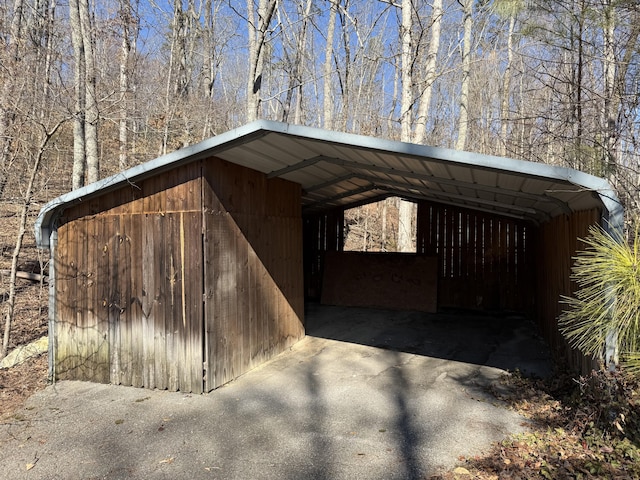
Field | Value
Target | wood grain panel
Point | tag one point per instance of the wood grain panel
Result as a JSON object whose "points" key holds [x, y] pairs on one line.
{"points": [[559, 240], [252, 253], [383, 280], [482, 258]]}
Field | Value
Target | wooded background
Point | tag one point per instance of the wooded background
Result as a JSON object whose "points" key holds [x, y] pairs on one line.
{"points": [[542, 80]]}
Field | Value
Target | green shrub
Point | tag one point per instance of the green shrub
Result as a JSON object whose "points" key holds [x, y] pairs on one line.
{"points": [[607, 273]]}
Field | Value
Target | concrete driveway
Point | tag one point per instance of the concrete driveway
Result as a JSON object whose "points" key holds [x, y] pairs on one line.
{"points": [[366, 395]]}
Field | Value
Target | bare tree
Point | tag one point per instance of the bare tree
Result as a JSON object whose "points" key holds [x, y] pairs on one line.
{"points": [[257, 42], [406, 96], [294, 34], [45, 138], [406, 118], [426, 85], [85, 130], [11, 63], [463, 119], [128, 25], [328, 69], [510, 9], [91, 107], [79, 150]]}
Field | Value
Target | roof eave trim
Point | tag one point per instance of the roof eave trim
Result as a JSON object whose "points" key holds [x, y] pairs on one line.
{"points": [[45, 223]]}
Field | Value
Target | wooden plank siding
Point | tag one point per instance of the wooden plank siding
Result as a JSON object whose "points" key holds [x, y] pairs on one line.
{"points": [[322, 233], [128, 292], [484, 261], [559, 240], [254, 303], [399, 281]]}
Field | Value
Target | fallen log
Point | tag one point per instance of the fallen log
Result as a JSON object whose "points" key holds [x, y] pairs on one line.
{"points": [[34, 277]]}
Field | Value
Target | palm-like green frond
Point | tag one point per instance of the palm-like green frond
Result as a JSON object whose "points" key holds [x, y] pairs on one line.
{"points": [[607, 273]]}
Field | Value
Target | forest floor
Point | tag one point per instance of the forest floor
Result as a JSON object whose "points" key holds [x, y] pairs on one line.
{"points": [[583, 428], [29, 324]]}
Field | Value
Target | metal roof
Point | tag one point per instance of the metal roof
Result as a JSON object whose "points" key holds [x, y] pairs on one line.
{"points": [[340, 170]]}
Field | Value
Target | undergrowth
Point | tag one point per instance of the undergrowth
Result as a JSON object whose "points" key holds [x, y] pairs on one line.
{"points": [[582, 428]]}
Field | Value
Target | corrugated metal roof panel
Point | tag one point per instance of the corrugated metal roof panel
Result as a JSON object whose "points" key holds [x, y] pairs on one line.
{"points": [[339, 169]]}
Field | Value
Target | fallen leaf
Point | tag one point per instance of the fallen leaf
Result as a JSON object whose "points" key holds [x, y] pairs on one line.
{"points": [[461, 471]]}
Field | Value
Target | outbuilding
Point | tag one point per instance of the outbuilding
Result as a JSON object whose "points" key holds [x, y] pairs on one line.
{"points": [[186, 271]]}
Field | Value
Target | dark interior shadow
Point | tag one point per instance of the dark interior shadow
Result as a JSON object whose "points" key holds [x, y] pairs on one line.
{"points": [[506, 341]]}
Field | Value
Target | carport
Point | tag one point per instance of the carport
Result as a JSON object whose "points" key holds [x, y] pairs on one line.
{"points": [[204, 256]]}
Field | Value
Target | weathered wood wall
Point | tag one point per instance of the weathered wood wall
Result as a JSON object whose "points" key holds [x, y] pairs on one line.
{"points": [[323, 233], [401, 281], [128, 304], [484, 261], [253, 278], [559, 240], [181, 282]]}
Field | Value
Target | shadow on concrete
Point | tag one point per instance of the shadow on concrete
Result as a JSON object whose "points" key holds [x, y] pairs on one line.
{"points": [[505, 341], [367, 394]]}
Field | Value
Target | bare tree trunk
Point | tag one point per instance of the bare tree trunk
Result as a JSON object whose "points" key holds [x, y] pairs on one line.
{"points": [[430, 73], [6, 91], [257, 42], [209, 61], [50, 24], [365, 232], [463, 120], [405, 220], [610, 116], [345, 78], [394, 99], [92, 114], [328, 67], [406, 96], [174, 75], [299, 67], [80, 96], [24, 211], [126, 19], [506, 88], [406, 105], [385, 202], [295, 63]]}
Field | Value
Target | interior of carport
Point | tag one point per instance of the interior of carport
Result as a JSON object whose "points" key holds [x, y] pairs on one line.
{"points": [[494, 235]]}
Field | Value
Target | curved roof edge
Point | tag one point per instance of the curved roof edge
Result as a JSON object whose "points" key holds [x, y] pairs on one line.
{"points": [[613, 212]]}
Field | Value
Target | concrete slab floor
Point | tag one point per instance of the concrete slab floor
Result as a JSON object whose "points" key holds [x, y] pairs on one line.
{"points": [[507, 341], [366, 395]]}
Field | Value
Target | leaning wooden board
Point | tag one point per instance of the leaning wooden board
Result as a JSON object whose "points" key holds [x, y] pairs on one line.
{"points": [[382, 280]]}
